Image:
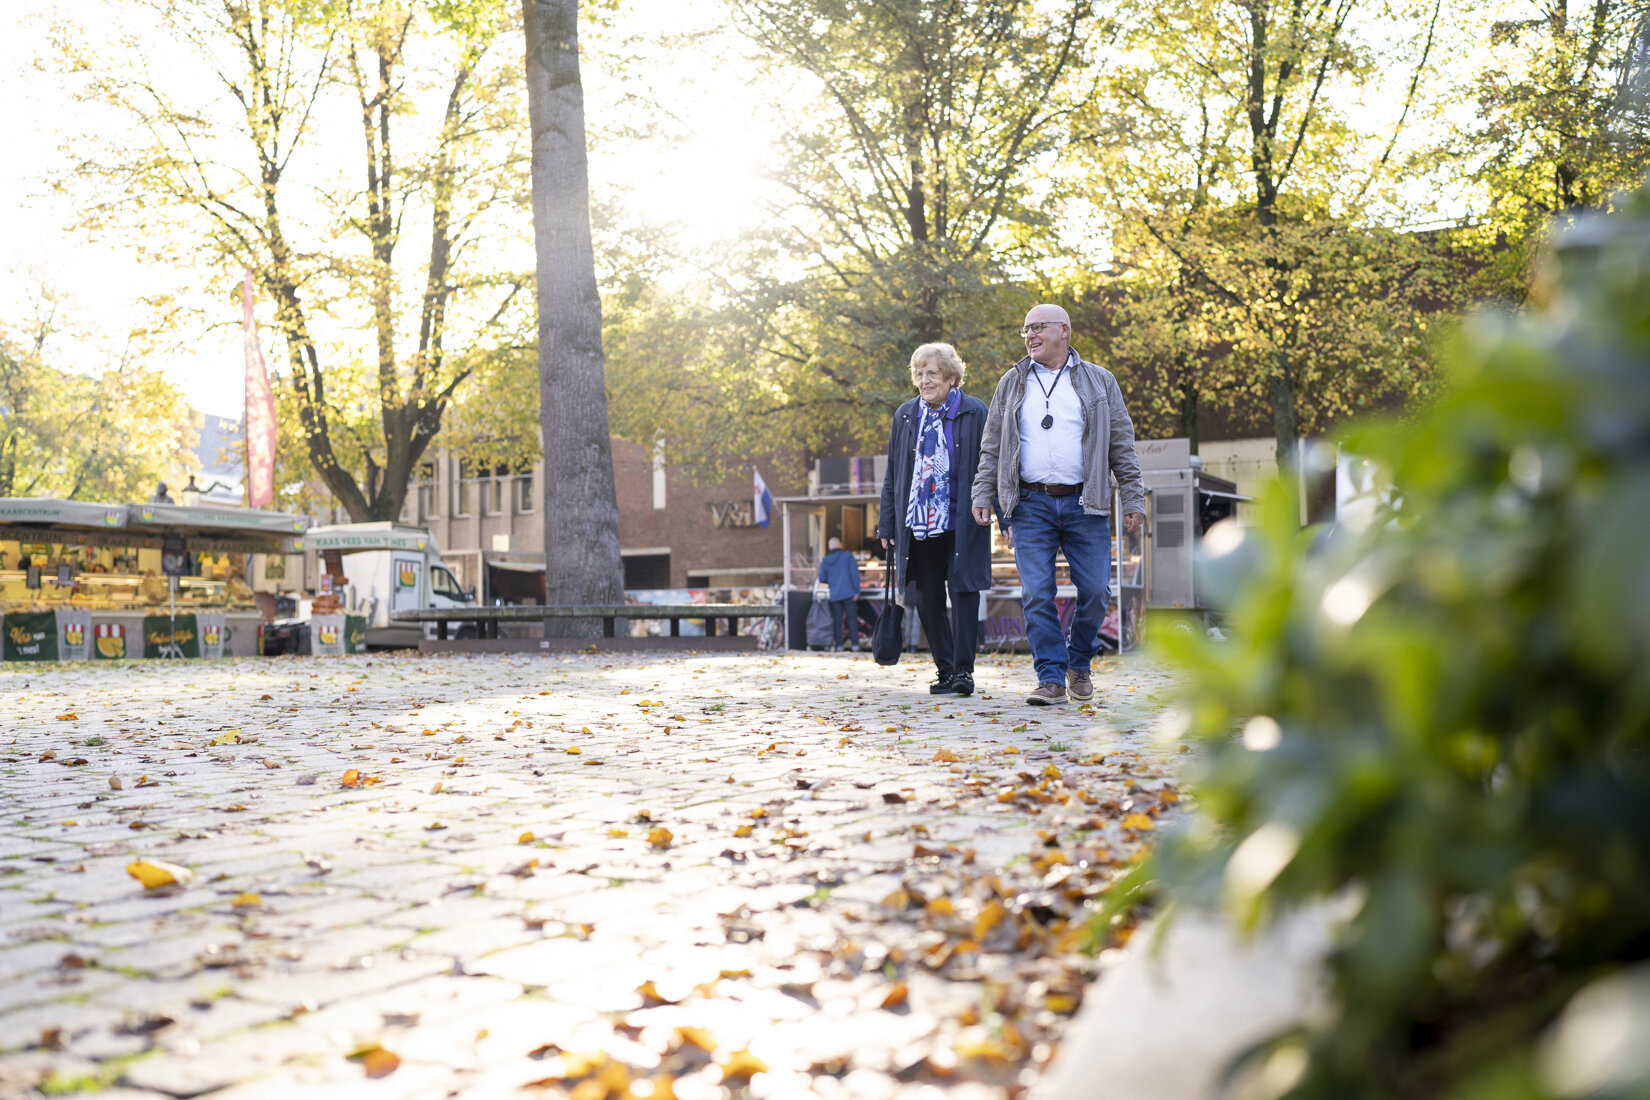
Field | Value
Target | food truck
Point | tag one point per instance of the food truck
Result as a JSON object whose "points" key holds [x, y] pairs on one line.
{"points": [[377, 568], [84, 581]]}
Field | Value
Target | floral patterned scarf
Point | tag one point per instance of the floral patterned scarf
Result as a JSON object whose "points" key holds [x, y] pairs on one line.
{"points": [[928, 511]]}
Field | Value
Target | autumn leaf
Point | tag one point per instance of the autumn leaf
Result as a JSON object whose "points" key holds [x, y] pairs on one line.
{"points": [[70, 717], [897, 995], [651, 997], [694, 1037], [246, 901], [379, 1062], [350, 778], [526, 838], [944, 756], [573, 750], [742, 1065], [990, 917], [1139, 822], [660, 837], [744, 830], [157, 875], [227, 737]]}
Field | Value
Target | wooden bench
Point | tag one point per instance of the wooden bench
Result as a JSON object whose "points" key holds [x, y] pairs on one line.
{"points": [[486, 619]]}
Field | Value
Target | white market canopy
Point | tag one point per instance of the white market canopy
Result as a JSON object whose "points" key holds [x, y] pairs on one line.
{"points": [[212, 527], [216, 518], [74, 513]]}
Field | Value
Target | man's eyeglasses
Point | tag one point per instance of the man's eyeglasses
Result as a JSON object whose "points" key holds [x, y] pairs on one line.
{"points": [[1037, 326]]}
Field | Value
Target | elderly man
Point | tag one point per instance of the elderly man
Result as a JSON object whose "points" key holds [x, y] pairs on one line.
{"points": [[839, 570], [1056, 436]]}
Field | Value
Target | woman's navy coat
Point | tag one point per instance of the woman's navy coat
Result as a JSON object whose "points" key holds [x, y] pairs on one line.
{"points": [[971, 561]]}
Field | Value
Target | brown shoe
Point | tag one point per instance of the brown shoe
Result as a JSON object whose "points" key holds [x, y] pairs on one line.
{"points": [[1079, 684], [1047, 695]]}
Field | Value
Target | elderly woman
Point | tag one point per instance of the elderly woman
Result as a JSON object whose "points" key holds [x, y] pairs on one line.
{"points": [[933, 450]]}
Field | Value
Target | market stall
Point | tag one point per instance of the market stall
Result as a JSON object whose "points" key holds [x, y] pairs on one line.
{"points": [[83, 581]]}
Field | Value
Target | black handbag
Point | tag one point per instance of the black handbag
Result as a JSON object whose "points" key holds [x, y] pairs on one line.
{"points": [[888, 636]]}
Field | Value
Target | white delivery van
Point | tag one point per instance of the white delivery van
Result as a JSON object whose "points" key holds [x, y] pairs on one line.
{"points": [[391, 567]]}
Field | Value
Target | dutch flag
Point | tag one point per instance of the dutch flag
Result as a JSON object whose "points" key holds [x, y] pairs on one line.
{"points": [[764, 502]]}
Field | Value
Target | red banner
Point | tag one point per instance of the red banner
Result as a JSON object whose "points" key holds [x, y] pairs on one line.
{"points": [[260, 410]]}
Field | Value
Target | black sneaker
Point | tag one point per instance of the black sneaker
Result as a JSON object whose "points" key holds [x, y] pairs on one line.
{"points": [[942, 686], [962, 684]]}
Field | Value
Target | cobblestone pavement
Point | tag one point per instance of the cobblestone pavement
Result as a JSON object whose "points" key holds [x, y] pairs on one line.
{"points": [[601, 876]]}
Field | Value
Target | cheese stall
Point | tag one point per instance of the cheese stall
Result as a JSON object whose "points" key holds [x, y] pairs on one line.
{"points": [[83, 581]]}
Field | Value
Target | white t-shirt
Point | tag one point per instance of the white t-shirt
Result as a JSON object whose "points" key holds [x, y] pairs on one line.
{"points": [[1053, 455]]}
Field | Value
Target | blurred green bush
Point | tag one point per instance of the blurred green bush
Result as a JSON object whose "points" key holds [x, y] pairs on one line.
{"points": [[1442, 718]]}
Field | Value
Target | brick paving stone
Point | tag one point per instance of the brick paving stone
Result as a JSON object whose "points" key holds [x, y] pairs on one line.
{"points": [[409, 911]]}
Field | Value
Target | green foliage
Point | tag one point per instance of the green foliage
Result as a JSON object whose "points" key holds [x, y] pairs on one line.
{"points": [[409, 239], [1557, 130], [910, 192], [104, 437], [1446, 717], [1247, 201]]}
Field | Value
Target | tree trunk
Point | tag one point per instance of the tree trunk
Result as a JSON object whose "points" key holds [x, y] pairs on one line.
{"points": [[1282, 395], [581, 511], [1188, 406]]}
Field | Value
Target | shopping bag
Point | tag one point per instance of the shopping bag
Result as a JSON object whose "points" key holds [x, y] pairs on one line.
{"points": [[888, 636], [817, 626]]}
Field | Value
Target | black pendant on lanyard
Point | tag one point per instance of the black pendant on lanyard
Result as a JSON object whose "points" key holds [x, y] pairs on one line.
{"points": [[1048, 394]]}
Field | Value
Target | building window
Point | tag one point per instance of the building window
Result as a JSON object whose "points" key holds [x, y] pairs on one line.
{"points": [[463, 481], [424, 496], [647, 570], [492, 492], [524, 493]]}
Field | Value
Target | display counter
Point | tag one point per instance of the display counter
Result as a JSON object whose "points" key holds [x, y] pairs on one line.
{"points": [[78, 586]]}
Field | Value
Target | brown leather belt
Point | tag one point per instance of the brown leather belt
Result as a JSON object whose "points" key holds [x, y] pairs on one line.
{"points": [[1051, 490]]}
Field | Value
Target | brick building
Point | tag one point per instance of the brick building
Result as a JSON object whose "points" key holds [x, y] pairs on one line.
{"points": [[672, 533]]}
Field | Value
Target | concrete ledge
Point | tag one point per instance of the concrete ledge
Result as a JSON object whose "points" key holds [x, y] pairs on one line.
{"points": [[720, 643], [1165, 1023]]}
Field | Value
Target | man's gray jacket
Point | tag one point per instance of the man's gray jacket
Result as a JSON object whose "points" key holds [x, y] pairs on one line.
{"points": [[1108, 443]]}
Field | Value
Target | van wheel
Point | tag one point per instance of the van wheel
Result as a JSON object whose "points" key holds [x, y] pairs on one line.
{"points": [[465, 633]]}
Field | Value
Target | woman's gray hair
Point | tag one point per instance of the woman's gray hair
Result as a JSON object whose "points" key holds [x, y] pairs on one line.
{"points": [[950, 363]]}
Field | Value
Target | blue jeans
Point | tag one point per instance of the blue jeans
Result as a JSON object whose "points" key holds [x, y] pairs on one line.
{"points": [[845, 618], [1042, 525]]}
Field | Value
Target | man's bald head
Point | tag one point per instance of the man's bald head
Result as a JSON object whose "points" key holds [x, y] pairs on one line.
{"points": [[1048, 312], [1047, 335]]}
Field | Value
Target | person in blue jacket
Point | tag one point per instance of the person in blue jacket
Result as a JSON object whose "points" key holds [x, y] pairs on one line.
{"points": [[933, 453], [840, 571]]}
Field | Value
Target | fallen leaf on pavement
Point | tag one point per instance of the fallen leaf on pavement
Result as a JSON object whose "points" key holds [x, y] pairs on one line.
{"points": [[156, 874], [379, 1062], [742, 1065]]}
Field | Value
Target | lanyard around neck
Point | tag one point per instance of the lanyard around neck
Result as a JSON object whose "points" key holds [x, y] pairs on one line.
{"points": [[1048, 393]]}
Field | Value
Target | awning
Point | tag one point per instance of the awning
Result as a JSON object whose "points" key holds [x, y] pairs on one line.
{"points": [[79, 513], [216, 518], [516, 566], [367, 536]]}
